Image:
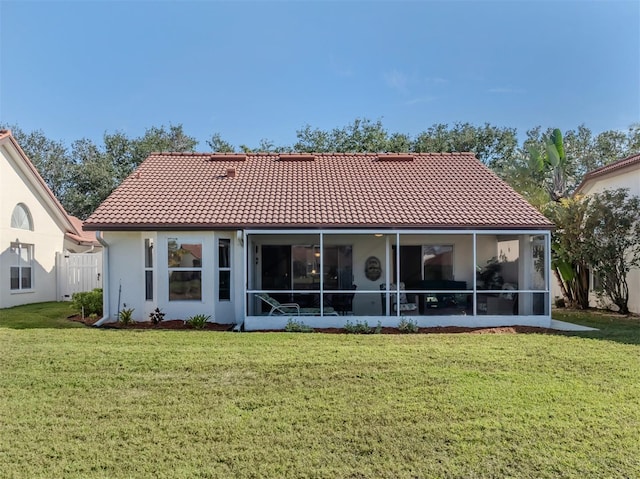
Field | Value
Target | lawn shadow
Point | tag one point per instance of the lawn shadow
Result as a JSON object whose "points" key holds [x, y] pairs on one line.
{"points": [[610, 326]]}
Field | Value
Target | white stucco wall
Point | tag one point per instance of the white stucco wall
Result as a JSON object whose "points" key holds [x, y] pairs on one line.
{"points": [[624, 178], [126, 276], [47, 236]]}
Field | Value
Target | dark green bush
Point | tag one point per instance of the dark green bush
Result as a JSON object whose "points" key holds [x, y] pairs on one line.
{"points": [[157, 316], [198, 321], [126, 315], [91, 301]]}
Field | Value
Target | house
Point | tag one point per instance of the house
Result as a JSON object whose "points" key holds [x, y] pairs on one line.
{"points": [[257, 239], [37, 236], [624, 173], [222, 234]]}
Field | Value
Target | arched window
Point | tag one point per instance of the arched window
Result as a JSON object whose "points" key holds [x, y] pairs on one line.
{"points": [[21, 218]]}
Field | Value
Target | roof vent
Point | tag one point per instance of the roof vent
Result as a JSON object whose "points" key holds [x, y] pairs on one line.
{"points": [[395, 157], [228, 157], [231, 172], [297, 157]]}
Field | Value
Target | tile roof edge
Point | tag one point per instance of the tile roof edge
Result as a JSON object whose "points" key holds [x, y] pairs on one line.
{"points": [[612, 167], [100, 226]]}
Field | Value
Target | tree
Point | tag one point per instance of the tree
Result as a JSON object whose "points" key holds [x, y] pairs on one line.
{"points": [[362, 135], [612, 242], [494, 146], [93, 177], [569, 260], [158, 140], [50, 158], [553, 162], [217, 144]]}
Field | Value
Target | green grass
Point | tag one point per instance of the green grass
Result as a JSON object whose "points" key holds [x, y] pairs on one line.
{"points": [[39, 315], [88, 403], [611, 326]]}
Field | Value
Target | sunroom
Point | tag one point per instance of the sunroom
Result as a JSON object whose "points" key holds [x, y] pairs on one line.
{"points": [[436, 277]]}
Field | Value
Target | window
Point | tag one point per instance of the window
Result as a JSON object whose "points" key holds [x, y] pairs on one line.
{"points": [[224, 270], [338, 267], [302, 263], [185, 270], [21, 269], [596, 281], [21, 218], [148, 269], [437, 262]]}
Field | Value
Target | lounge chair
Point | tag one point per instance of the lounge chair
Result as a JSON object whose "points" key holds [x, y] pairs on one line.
{"points": [[278, 308], [406, 308]]}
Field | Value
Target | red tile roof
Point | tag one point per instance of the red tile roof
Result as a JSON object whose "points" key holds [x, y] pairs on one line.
{"points": [[82, 237], [610, 168], [196, 191]]}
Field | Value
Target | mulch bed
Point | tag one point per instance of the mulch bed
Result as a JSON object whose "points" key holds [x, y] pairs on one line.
{"points": [[168, 324], [180, 324]]}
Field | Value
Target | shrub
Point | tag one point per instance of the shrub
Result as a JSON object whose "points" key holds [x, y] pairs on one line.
{"points": [[559, 302], [156, 316], [126, 315], [361, 328], [198, 321], [89, 302], [408, 326], [294, 326]]}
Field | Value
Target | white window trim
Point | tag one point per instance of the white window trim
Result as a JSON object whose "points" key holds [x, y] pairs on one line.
{"points": [[151, 268], [221, 269], [30, 249], [171, 269], [27, 214]]}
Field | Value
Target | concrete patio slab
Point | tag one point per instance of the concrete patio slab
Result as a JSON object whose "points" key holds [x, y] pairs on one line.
{"points": [[564, 326]]}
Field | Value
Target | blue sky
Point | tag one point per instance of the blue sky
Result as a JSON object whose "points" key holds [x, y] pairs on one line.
{"points": [[253, 70]]}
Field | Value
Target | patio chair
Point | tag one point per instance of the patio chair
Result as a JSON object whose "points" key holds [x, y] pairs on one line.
{"points": [[278, 308], [343, 302], [406, 308]]}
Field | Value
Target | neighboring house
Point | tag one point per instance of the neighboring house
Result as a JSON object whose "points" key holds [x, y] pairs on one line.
{"points": [[35, 233], [624, 173], [239, 236]]}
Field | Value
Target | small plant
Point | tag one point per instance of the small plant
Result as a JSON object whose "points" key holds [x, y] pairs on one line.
{"points": [[88, 302], [93, 316], [378, 329], [294, 326], [408, 326], [198, 321], [156, 316], [126, 315], [559, 302], [360, 328]]}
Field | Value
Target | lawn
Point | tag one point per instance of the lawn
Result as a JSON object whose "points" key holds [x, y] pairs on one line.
{"points": [[85, 403]]}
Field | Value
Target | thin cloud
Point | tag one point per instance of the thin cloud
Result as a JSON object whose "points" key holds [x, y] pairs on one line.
{"points": [[505, 90], [340, 69], [422, 99], [396, 80], [436, 80]]}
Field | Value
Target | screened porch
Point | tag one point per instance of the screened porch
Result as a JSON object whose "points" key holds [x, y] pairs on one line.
{"points": [[438, 278]]}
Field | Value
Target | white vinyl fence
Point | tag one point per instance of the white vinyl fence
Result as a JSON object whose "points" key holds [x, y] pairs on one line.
{"points": [[78, 272]]}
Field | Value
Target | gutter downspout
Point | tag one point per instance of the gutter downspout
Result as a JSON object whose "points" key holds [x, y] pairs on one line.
{"points": [[105, 280]]}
